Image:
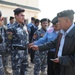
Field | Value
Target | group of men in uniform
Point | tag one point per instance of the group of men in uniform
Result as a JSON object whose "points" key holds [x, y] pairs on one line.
{"points": [[14, 40]]}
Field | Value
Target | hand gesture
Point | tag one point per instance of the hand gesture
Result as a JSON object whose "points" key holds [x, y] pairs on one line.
{"points": [[35, 47], [30, 45], [56, 60]]}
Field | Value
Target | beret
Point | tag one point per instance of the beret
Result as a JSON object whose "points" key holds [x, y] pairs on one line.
{"points": [[55, 20], [65, 13], [18, 10]]}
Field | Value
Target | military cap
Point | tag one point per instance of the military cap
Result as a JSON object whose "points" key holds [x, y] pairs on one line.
{"points": [[65, 13], [0, 14], [55, 20], [18, 10]]}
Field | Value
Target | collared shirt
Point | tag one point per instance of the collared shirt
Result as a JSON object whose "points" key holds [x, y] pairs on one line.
{"points": [[35, 26], [9, 25], [50, 35], [63, 39], [28, 26]]}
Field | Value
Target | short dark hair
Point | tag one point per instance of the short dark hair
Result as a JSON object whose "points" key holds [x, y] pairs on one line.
{"points": [[44, 19], [11, 18], [37, 21], [32, 18], [18, 11]]}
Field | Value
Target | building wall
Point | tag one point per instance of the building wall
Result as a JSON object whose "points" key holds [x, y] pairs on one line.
{"points": [[33, 3], [7, 10]]}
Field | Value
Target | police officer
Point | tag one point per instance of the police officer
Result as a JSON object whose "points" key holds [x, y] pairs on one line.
{"points": [[2, 45], [11, 22], [33, 29], [40, 58], [50, 35], [8, 56], [18, 43], [1, 26]]}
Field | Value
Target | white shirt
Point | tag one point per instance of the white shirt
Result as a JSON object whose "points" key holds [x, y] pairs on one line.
{"points": [[63, 39]]}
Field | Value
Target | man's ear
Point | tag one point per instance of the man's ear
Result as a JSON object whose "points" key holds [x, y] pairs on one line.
{"points": [[16, 16], [66, 19]]}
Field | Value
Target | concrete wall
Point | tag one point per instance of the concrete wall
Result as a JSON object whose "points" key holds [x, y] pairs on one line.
{"points": [[7, 10], [33, 3]]}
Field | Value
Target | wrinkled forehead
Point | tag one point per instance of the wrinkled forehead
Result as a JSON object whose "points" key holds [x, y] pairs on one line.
{"points": [[62, 18]]}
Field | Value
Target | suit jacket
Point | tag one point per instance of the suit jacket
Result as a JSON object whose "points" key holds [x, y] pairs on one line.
{"points": [[67, 60]]}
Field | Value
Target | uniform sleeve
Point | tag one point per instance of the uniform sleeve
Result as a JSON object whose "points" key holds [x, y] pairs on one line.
{"points": [[48, 46], [9, 36]]}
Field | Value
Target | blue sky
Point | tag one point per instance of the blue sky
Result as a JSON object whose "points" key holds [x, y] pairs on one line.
{"points": [[49, 8]]}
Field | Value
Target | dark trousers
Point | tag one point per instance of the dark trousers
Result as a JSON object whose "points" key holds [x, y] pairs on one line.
{"points": [[23, 68], [32, 52], [50, 70], [53, 68]]}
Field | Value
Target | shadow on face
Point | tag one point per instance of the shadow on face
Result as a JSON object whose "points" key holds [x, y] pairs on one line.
{"points": [[20, 17], [44, 24]]}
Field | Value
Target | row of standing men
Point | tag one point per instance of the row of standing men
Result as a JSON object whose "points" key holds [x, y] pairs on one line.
{"points": [[14, 41]]}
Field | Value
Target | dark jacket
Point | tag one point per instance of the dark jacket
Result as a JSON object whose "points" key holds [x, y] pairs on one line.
{"points": [[31, 33], [67, 60], [1, 39]]}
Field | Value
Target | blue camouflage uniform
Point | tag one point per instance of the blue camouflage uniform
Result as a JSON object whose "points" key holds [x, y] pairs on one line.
{"points": [[19, 53], [40, 58], [2, 50], [49, 36]]}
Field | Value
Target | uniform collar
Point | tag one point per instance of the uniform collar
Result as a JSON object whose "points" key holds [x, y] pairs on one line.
{"points": [[43, 29], [18, 24], [35, 26]]}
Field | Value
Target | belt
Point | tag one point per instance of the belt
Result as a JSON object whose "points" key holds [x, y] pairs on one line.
{"points": [[19, 47]]}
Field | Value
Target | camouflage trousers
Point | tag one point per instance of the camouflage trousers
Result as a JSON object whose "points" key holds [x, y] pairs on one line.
{"points": [[7, 63], [40, 62], [19, 62], [2, 71]]}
